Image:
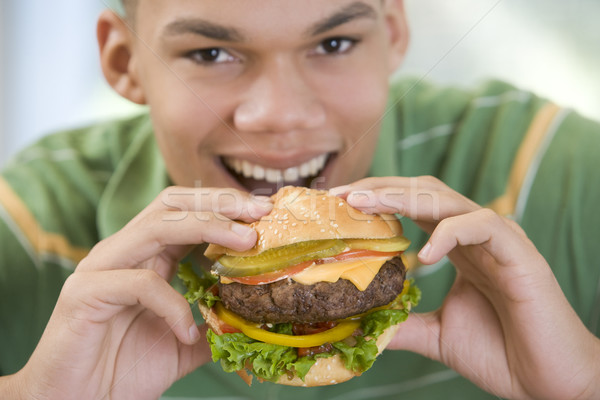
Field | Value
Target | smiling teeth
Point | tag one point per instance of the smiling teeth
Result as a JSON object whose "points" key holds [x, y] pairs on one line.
{"points": [[310, 168]]}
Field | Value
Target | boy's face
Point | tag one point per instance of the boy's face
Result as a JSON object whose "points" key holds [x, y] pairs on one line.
{"points": [[275, 89]]}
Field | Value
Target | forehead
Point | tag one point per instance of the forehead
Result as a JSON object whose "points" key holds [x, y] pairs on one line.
{"points": [[255, 18]]}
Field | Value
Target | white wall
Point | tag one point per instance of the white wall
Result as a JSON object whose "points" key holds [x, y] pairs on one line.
{"points": [[50, 79], [50, 70], [551, 47]]}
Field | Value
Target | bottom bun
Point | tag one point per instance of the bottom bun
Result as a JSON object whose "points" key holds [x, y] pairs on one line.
{"points": [[325, 371]]}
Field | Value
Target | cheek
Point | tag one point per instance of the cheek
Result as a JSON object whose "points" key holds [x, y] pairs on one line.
{"points": [[185, 128], [357, 110], [358, 107]]}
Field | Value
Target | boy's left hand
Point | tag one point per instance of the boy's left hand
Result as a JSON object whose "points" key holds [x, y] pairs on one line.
{"points": [[505, 324]]}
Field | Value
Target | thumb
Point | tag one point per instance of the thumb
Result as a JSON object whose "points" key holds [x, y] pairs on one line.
{"points": [[420, 333], [194, 355]]}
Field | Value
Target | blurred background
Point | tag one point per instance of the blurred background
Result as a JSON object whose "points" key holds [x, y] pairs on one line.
{"points": [[50, 77]]}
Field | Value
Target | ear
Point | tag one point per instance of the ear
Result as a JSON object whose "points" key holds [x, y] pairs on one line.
{"points": [[115, 42], [399, 34]]}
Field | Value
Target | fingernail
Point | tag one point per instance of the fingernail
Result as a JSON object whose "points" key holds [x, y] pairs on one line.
{"points": [[262, 199], [425, 251], [362, 198], [263, 202], [241, 230], [337, 191], [194, 333]]}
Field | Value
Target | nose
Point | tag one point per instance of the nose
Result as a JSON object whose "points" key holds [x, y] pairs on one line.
{"points": [[279, 100]]}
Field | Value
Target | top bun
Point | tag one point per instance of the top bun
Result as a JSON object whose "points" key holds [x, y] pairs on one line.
{"points": [[300, 214]]}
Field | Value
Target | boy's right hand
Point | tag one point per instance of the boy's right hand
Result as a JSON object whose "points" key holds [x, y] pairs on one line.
{"points": [[119, 330]]}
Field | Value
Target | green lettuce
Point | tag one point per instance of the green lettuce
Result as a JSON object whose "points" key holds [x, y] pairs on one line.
{"points": [[198, 285], [267, 361]]}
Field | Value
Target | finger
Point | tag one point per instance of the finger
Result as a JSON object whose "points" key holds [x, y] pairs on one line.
{"points": [[231, 203], [420, 333], [420, 204], [150, 235], [483, 227], [92, 298], [193, 356], [420, 182]]}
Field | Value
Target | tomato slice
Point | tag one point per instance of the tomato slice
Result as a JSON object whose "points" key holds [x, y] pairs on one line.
{"points": [[275, 276], [226, 328]]}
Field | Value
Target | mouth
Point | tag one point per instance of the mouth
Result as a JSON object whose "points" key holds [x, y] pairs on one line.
{"points": [[254, 177]]}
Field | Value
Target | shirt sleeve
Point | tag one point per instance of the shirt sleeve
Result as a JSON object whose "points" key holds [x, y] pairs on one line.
{"points": [[558, 208], [27, 288]]}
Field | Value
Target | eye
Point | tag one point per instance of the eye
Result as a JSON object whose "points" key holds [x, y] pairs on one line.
{"points": [[213, 55], [335, 45]]}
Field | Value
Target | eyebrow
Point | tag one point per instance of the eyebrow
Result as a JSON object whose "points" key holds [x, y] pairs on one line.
{"points": [[211, 30], [350, 12], [202, 27]]}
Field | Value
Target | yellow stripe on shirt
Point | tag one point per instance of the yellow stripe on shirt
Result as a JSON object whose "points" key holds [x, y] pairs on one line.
{"points": [[41, 241], [506, 204]]}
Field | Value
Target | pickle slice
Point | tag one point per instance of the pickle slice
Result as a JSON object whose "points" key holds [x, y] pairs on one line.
{"points": [[397, 243], [278, 258]]}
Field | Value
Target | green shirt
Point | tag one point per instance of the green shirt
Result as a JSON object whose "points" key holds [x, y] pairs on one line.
{"points": [[502, 147]]}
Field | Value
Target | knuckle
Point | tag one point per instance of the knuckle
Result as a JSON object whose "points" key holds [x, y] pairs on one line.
{"points": [[165, 195], [446, 224], [514, 226], [174, 198], [146, 278], [72, 283], [489, 216], [429, 179], [170, 190], [210, 217]]}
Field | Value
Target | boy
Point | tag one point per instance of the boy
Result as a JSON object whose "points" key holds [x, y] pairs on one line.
{"points": [[245, 97]]}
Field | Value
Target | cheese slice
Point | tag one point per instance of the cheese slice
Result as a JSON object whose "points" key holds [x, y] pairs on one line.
{"points": [[360, 272]]}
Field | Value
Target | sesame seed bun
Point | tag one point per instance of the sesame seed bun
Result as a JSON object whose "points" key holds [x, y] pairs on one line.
{"points": [[301, 214]]}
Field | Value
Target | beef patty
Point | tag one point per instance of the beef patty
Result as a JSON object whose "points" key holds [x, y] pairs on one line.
{"points": [[289, 301]]}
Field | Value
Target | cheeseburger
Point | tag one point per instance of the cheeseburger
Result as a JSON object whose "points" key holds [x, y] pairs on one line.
{"points": [[315, 301]]}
